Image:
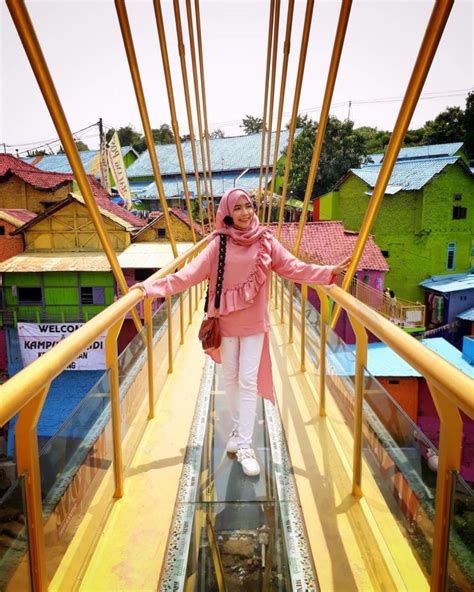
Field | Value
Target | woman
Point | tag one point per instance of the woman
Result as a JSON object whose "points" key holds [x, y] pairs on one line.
{"points": [[252, 252]]}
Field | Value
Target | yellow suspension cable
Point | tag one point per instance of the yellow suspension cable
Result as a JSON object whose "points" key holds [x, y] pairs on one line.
{"points": [[137, 85], [434, 30], [276, 26], [265, 100], [296, 102], [182, 57], [284, 72], [331, 81], [40, 69], [174, 120], [204, 104], [197, 96]]}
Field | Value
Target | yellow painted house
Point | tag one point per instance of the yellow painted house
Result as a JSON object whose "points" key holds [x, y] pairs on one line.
{"points": [[66, 226]]}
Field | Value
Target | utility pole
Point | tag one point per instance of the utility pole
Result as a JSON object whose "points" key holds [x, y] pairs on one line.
{"points": [[349, 111], [104, 169]]}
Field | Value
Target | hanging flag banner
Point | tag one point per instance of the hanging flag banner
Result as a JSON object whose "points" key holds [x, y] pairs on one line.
{"points": [[117, 166], [35, 340], [104, 169]]}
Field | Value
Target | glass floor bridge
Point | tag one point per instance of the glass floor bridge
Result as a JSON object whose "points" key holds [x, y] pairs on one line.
{"points": [[182, 516]]}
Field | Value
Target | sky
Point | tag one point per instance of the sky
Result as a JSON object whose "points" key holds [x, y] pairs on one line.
{"points": [[84, 50]]}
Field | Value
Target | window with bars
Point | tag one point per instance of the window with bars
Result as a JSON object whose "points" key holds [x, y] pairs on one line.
{"points": [[92, 295]]}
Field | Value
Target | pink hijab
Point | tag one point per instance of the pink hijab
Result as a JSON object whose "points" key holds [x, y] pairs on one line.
{"points": [[226, 207]]}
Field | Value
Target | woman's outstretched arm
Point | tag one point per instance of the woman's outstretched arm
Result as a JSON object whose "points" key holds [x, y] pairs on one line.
{"points": [[292, 268], [191, 274]]}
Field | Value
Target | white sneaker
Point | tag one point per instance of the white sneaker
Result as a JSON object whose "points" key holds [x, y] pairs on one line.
{"points": [[246, 457], [232, 445]]}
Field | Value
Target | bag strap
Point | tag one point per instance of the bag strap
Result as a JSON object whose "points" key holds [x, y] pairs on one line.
{"points": [[220, 275]]}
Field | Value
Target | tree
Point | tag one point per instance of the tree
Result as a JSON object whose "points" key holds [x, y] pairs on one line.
{"points": [[342, 149], [217, 133], [80, 145], [301, 121], [163, 134], [251, 124], [128, 137], [469, 125], [448, 126], [375, 140]]}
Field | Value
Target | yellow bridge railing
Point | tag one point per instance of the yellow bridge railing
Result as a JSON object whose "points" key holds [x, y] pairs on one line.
{"points": [[25, 393]]}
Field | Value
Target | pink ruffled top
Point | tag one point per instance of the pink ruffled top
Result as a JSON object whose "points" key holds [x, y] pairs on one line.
{"points": [[244, 301]]}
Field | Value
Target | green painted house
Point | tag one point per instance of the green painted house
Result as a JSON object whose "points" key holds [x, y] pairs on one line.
{"points": [[425, 225]]}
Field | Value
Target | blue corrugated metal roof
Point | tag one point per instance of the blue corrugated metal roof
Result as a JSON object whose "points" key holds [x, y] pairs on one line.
{"points": [[383, 361], [427, 151], [173, 186], [467, 315], [408, 175], [449, 283], [58, 163], [227, 154]]}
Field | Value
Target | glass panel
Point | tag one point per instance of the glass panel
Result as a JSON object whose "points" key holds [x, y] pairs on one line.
{"points": [[241, 544], [73, 464], [14, 557], [461, 541], [226, 479], [132, 359], [236, 535], [402, 461]]}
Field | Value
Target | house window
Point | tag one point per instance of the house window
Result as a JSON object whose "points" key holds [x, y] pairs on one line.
{"points": [[91, 295], [30, 296], [386, 254], [450, 256], [459, 212], [2, 230], [161, 233]]}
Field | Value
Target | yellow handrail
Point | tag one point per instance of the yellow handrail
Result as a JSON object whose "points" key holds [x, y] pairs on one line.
{"points": [[454, 384], [22, 387]]}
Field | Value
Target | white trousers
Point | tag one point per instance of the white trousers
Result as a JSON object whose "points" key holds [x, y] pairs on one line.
{"points": [[240, 363]]}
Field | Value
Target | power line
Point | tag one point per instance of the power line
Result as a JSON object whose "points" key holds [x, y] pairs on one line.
{"points": [[45, 143]]}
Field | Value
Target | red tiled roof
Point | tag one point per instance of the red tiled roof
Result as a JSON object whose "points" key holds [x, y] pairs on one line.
{"points": [[45, 180], [102, 199], [30, 174], [22, 216], [327, 243]]}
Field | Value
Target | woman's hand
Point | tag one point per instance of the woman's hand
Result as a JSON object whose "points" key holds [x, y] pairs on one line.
{"points": [[342, 266]]}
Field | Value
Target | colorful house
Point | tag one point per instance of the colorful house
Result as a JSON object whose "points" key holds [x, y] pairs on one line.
{"points": [[327, 243], [156, 229], [425, 225], [446, 297]]}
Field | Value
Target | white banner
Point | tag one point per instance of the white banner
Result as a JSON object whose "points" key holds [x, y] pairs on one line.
{"points": [[117, 166], [35, 340]]}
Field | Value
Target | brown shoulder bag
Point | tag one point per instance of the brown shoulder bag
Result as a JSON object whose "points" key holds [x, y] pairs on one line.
{"points": [[210, 332]]}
